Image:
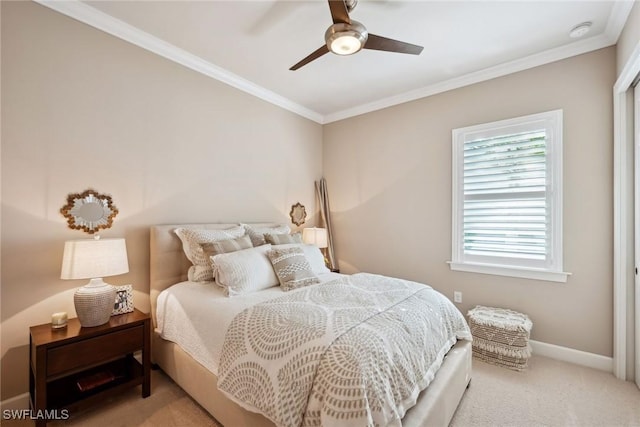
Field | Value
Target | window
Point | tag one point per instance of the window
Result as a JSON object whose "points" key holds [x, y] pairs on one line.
{"points": [[507, 198]]}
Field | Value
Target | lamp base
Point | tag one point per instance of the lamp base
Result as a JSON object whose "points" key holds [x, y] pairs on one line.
{"points": [[94, 303]]}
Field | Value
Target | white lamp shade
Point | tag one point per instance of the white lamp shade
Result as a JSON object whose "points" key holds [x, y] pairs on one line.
{"points": [[315, 236], [93, 258]]}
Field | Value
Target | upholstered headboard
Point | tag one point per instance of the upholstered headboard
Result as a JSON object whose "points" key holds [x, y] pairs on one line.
{"points": [[167, 263]]}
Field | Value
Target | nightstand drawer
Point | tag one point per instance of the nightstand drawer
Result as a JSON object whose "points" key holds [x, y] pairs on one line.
{"points": [[94, 350]]}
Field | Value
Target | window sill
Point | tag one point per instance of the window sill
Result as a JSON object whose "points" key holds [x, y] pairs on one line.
{"points": [[499, 270]]}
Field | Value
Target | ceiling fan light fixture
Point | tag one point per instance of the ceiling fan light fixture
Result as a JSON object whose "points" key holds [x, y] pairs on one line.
{"points": [[346, 39], [345, 44]]}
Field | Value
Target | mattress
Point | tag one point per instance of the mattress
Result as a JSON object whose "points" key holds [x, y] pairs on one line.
{"points": [[196, 315]]}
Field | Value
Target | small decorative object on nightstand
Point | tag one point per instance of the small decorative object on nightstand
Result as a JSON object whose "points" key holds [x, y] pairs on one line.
{"points": [[94, 259], [124, 300], [73, 368], [59, 320]]}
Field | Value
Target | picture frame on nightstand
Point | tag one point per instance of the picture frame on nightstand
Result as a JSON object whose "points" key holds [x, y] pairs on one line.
{"points": [[124, 300]]}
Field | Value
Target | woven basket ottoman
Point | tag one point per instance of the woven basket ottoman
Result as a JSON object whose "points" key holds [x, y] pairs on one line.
{"points": [[500, 336]]}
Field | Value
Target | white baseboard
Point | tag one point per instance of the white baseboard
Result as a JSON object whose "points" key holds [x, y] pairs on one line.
{"points": [[578, 357], [20, 401]]}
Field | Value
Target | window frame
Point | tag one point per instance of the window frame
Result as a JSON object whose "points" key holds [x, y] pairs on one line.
{"points": [[551, 268]]}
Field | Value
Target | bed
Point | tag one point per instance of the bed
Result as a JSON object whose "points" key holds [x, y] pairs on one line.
{"points": [[435, 405]]}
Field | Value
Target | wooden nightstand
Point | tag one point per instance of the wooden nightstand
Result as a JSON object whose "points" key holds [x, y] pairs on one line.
{"points": [[75, 367]]}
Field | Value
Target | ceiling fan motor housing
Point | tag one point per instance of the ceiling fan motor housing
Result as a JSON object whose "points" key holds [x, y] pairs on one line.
{"points": [[346, 39]]}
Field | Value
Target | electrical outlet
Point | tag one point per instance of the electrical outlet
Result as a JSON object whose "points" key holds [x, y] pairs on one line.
{"points": [[457, 297]]}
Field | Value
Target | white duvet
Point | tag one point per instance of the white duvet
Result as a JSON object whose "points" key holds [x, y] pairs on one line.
{"points": [[196, 315], [353, 352]]}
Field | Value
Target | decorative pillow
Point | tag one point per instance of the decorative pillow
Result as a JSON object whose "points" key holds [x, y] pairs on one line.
{"points": [[257, 233], [314, 256], [191, 240], [244, 271], [292, 268], [282, 239], [225, 246]]}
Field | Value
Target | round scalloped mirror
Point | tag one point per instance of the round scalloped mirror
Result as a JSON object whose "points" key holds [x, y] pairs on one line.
{"points": [[298, 214], [89, 211]]}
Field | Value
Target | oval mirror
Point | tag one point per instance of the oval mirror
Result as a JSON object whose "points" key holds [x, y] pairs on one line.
{"points": [[89, 211], [298, 214]]}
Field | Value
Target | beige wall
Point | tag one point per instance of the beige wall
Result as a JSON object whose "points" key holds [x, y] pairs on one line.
{"points": [[389, 177], [83, 109], [629, 38]]}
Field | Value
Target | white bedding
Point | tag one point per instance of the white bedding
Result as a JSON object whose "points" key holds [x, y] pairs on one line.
{"points": [[196, 315], [353, 352]]}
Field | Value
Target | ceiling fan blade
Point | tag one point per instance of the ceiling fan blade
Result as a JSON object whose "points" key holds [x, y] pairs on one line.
{"points": [[375, 42], [339, 12], [315, 55]]}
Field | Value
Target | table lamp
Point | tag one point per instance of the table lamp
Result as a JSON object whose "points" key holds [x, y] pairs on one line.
{"points": [[315, 236], [318, 237], [94, 259]]}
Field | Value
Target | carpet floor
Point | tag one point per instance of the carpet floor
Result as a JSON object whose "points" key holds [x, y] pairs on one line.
{"points": [[548, 393]]}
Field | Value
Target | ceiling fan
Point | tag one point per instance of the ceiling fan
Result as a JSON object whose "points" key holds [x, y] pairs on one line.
{"points": [[346, 36]]}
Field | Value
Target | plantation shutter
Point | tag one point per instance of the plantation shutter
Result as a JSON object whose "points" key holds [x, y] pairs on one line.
{"points": [[505, 200]]}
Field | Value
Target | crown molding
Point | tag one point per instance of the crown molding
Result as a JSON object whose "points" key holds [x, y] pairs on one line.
{"points": [[107, 23], [531, 61], [619, 15], [91, 16], [615, 24]]}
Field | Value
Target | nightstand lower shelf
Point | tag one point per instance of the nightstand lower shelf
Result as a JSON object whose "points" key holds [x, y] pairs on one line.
{"points": [[65, 393]]}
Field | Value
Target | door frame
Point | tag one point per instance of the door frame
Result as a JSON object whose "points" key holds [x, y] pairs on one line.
{"points": [[636, 195], [623, 216]]}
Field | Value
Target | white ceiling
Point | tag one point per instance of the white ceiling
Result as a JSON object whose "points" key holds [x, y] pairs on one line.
{"points": [[252, 44]]}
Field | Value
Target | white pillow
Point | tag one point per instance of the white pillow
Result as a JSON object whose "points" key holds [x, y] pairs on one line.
{"points": [[313, 255], [257, 233], [244, 271], [191, 240]]}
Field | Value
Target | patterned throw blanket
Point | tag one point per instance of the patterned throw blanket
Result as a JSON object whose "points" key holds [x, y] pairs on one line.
{"points": [[355, 351]]}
